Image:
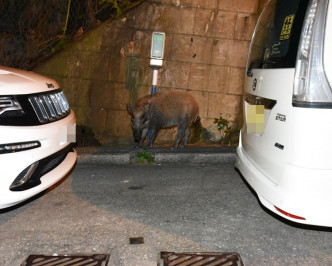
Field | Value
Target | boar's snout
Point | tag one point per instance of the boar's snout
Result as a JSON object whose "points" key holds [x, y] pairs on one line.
{"points": [[138, 123], [137, 133]]}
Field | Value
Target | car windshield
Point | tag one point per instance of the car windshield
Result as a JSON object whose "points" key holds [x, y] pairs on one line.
{"points": [[277, 34]]}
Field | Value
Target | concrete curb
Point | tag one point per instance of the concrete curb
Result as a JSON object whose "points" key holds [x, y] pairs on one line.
{"points": [[126, 155]]}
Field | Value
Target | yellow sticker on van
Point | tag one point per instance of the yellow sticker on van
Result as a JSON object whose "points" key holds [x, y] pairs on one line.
{"points": [[255, 118], [286, 28]]}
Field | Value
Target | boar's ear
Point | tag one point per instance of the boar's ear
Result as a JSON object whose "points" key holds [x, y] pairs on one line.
{"points": [[129, 108], [147, 107]]}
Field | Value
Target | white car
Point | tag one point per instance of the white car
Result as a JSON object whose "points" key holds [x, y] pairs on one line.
{"points": [[285, 146], [37, 133]]}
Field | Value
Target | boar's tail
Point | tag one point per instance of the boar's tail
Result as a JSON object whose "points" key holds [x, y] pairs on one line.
{"points": [[197, 119]]}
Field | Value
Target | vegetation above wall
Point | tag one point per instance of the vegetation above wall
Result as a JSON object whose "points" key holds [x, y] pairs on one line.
{"points": [[31, 31]]}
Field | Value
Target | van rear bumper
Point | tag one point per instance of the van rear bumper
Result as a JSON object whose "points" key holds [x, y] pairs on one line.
{"points": [[302, 192]]}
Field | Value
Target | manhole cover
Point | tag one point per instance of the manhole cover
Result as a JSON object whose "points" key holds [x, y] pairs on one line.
{"points": [[62, 260], [195, 259]]}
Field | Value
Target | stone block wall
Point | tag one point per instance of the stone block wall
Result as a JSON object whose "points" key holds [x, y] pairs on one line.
{"points": [[207, 45]]}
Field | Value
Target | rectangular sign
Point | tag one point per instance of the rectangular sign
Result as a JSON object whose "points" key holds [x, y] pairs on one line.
{"points": [[157, 46]]}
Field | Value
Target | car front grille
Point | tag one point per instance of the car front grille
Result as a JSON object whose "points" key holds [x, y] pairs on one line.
{"points": [[50, 107]]}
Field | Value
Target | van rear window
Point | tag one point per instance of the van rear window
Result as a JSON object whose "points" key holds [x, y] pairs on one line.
{"points": [[277, 34]]}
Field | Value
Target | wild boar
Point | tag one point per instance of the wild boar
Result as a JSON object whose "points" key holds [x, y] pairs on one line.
{"points": [[163, 110]]}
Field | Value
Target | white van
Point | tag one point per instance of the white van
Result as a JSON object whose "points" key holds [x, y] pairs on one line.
{"points": [[37, 133], [285, 149]]}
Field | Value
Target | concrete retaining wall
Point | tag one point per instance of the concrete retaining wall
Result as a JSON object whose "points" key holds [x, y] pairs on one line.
{"points": [[207, 44]]}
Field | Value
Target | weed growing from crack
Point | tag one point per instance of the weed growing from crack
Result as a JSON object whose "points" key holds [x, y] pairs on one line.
{"points": [[145, 157]]}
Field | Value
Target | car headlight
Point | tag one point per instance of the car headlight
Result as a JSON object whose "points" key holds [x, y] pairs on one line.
{"points": [[9, 106], [16, 147]]}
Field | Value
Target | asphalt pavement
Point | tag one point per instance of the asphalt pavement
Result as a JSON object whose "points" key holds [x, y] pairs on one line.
{"points": [[187, 200]]}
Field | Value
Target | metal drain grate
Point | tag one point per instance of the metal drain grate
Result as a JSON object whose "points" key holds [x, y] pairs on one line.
{"points": [[195, 259], [62, 260]]}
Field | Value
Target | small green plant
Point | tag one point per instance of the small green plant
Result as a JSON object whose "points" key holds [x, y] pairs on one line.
{"points": [[224, 129], [145, 157], [63, 40], [121, 6], [115, 4]]}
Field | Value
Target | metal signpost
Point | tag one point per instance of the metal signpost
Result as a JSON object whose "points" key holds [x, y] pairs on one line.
{"points": [[157, 55], [156, 61]]}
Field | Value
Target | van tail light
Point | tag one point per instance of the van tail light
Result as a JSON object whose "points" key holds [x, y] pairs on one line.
{"points": [[311, 87], [289, 214]]}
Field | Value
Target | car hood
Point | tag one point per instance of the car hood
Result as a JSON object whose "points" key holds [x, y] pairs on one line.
{"points": [[15, 81]]}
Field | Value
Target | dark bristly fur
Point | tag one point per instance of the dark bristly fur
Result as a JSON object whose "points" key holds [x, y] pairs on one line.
{"points": [[162, 110]]}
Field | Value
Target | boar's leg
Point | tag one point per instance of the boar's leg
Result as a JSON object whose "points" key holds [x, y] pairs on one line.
{"points": [[181, 133], [153, 135], [186, 137], [144, 133]]}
